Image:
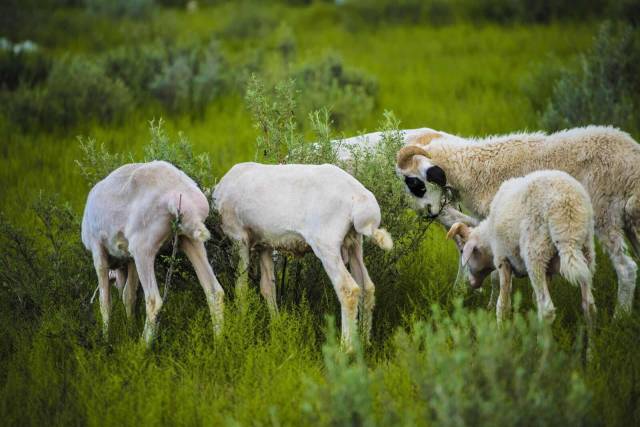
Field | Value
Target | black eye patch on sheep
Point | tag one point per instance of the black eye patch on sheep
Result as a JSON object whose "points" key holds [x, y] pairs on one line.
{"points": [[436, 175], [415, 185]]}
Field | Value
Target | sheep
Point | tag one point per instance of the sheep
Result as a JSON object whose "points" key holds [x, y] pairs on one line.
{"points": [[539, 225], [368, 141], [126, 220], [295, 208], [603, 159]]}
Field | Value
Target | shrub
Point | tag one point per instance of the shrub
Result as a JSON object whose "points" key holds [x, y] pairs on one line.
{"points": [[249, 20], [344, 398], [604, 89], [75, 91], [136, 66], [21, 63], [79, 90], [190, 79], [349, 94], [463, 369], [120, 8]]}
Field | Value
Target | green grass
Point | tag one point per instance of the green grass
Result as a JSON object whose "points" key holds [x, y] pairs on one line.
{"points": [[431, 362]]}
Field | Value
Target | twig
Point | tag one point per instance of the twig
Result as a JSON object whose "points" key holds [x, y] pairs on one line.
{"points": [[175, 226]]}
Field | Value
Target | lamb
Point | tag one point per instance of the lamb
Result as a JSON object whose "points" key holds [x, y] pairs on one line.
{"points": [[295, 208], [539, 224], [127, 219], [603, 159]]}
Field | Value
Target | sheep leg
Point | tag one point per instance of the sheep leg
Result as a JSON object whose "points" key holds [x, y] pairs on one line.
{"points": [[503, 305], [130, 290], [367, 299], [495, 290], [626, 268], [242, 282], [102, 270], [346, 288], [268, 280], [588, 303], [546, 309], [120, 280], [195, 251], [144, 264]]}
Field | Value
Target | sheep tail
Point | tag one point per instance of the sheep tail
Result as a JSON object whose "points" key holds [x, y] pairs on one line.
{"points": [[366, 219], [201, 233], [177, 206], [573, 265], [382, 239]]}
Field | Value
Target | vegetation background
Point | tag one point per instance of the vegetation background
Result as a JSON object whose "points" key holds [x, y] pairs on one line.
{"points": [[86, 85]]}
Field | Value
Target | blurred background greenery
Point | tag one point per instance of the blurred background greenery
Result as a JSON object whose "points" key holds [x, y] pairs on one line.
{"points": [[80, 80]]}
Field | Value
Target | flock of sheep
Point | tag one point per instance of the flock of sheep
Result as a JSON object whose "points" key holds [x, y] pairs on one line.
{"points": [[541, 199]]}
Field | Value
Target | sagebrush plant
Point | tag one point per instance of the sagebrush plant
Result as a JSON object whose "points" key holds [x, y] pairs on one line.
{"points": [[136, 9], [348, 93], [465, 369], [604, 89]]}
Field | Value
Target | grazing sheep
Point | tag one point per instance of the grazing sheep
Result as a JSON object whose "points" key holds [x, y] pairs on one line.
{"points": [[603, 159], [127, 219], [345, 146], [539, 224], [297, 207]]}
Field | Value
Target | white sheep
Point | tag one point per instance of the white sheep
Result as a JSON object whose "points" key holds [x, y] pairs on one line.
{"points": [[127, 219], [539, 225], [297, 207], [603, 159]]}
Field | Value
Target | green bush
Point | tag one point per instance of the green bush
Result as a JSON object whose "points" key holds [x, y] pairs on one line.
{"points": [[349, 94], [136, 66], [21, 63], [606, 87], [249, 19], [120, 8], [464, 369], [76, 91], [190, 79]]}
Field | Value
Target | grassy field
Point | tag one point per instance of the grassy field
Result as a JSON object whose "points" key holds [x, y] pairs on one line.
{"points": [[437, 356]]}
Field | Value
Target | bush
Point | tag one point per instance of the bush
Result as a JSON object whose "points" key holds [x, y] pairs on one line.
{"points": [[381, 12], [464, 369], [76, 91], [136, 66], [249, 19], [121, 8], [190, 79], [21, 63], [605, 89], [349, 94]]}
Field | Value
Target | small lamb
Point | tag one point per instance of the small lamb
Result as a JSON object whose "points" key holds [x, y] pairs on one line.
{"points": [[539, 224], [297, 207], [126, 221]]}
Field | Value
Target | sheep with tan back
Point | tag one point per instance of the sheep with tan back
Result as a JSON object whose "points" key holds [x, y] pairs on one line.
{"points": [[539, 225], [128, 218], [300, 207]]}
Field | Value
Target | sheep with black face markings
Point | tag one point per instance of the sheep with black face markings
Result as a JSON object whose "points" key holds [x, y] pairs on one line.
{"points": [[603, 159], [299, 207], [539, 225], [127, 219]]}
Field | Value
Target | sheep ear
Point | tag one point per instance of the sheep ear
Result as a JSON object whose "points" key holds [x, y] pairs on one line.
{"points": [[436, 175], [458, 229], [468, 251]]}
